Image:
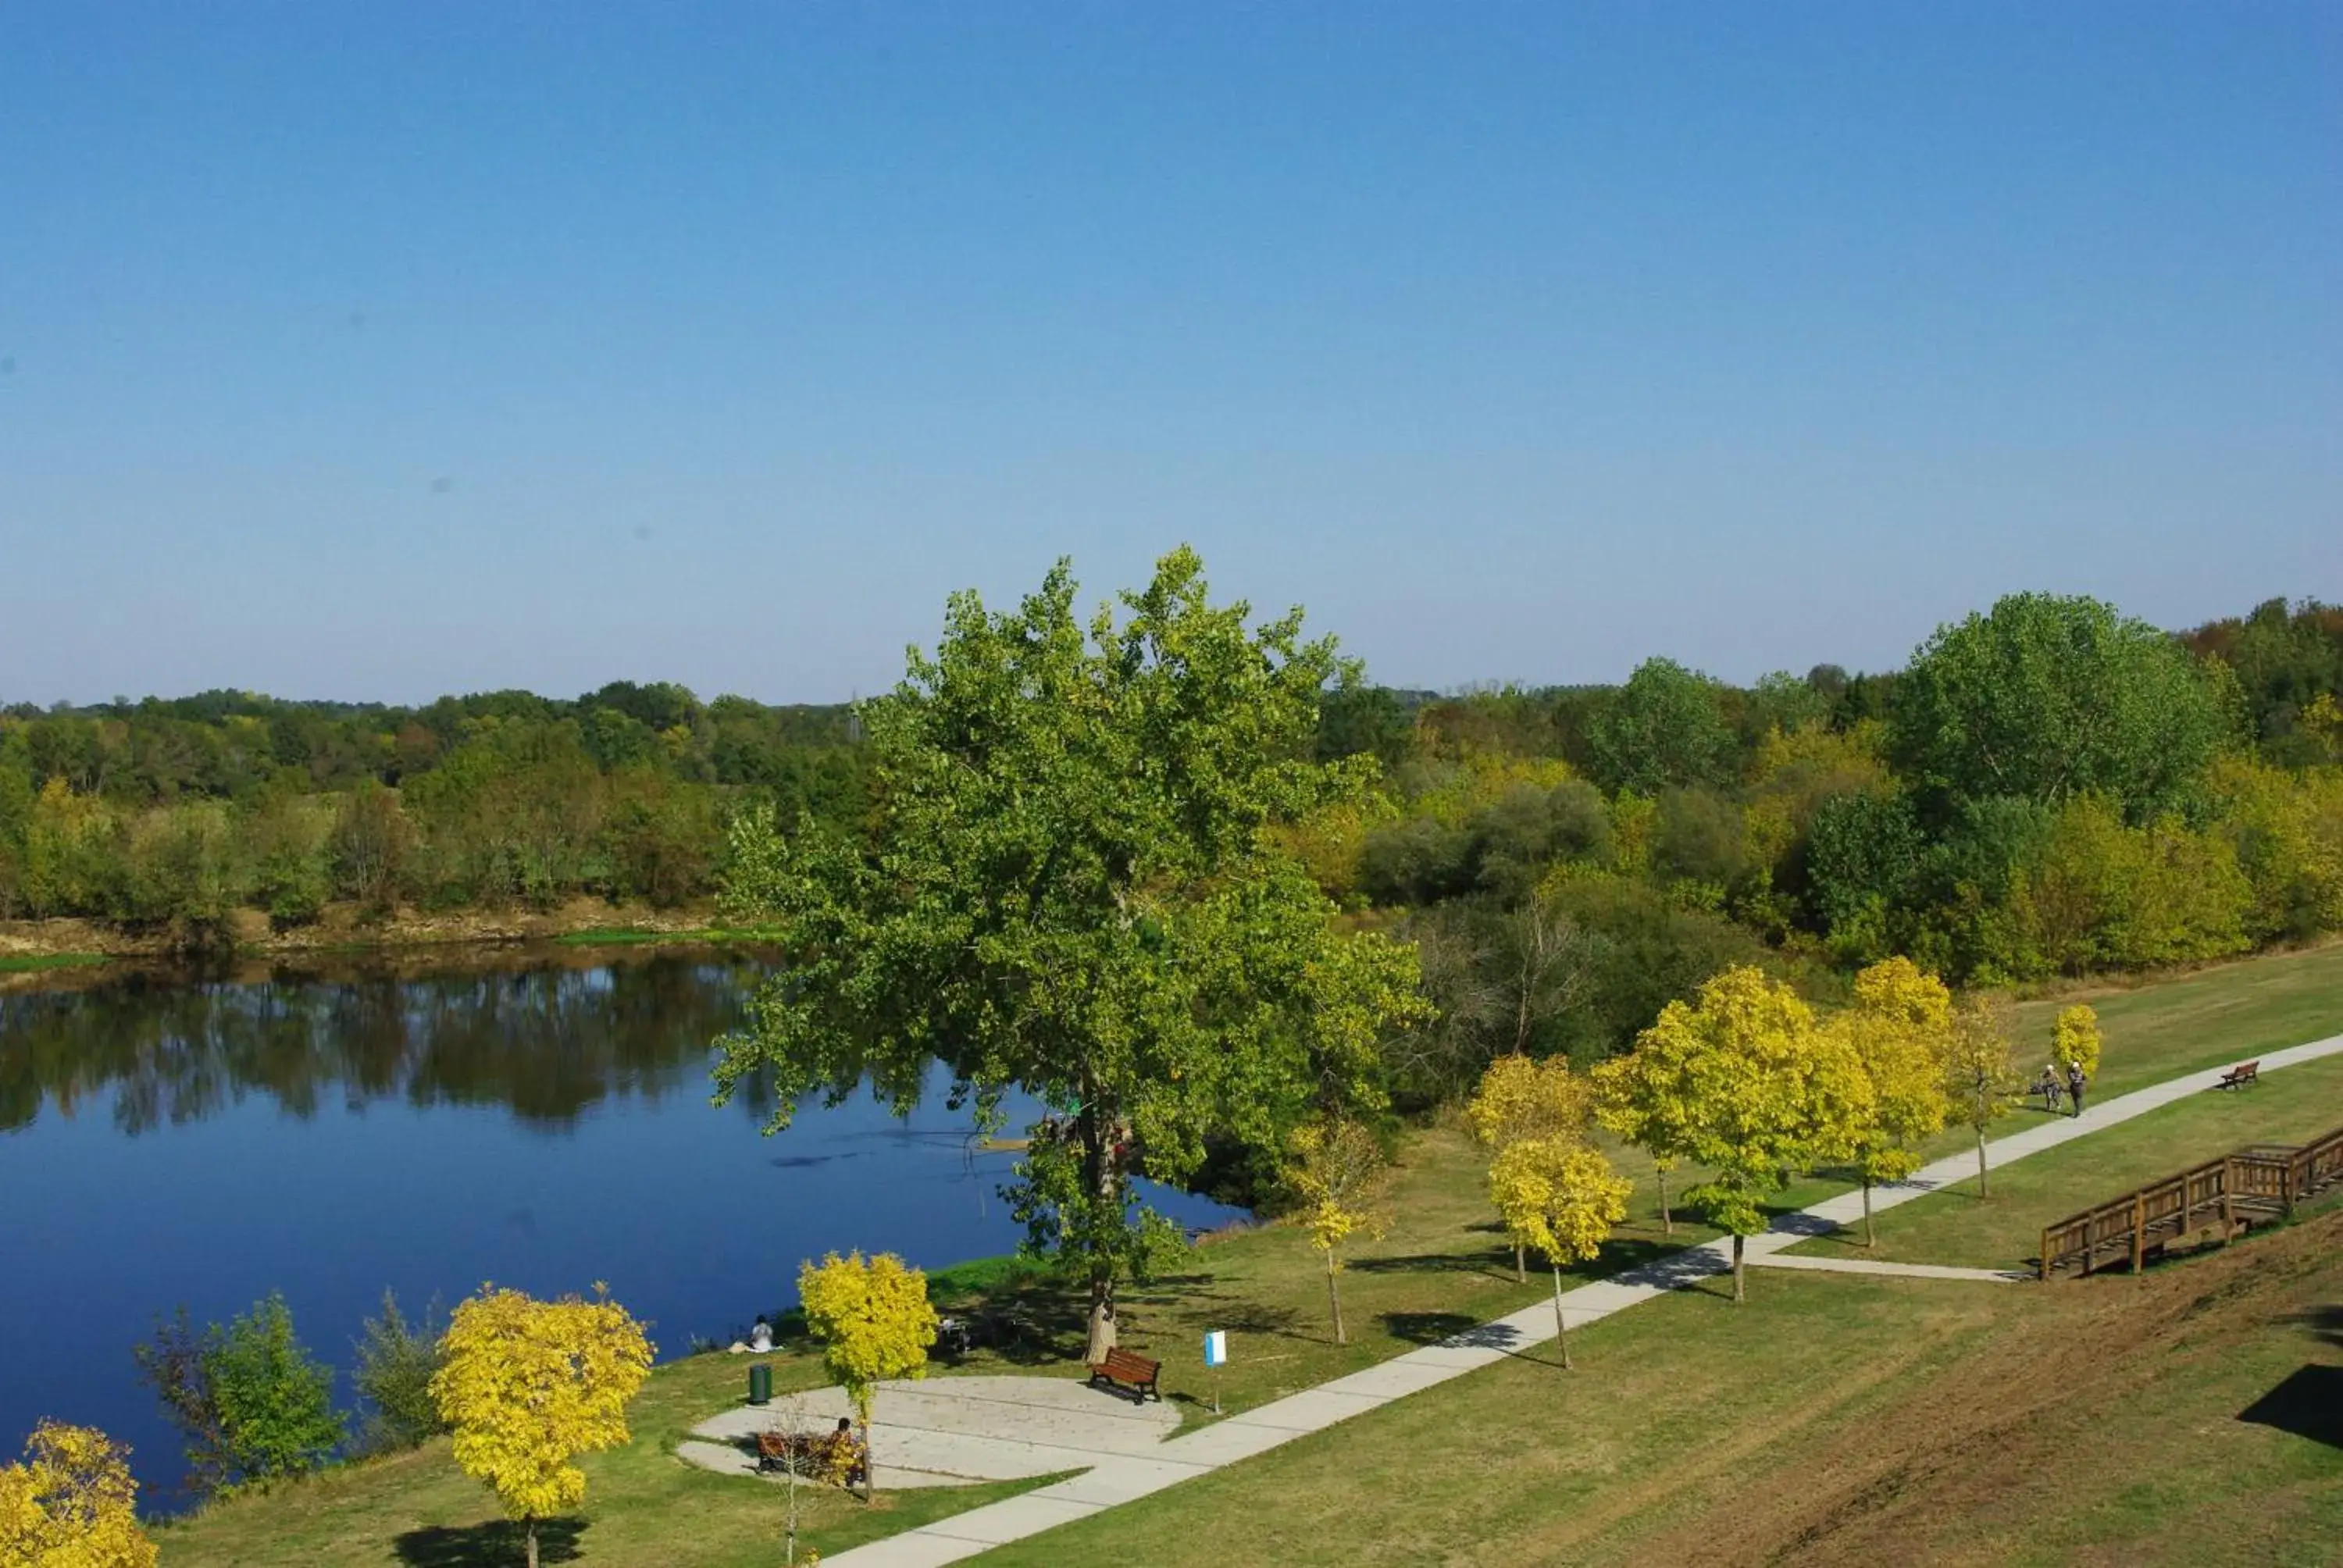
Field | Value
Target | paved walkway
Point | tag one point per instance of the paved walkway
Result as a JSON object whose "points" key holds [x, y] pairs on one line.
{"points": [[956, 1431], [1121, 1478]]}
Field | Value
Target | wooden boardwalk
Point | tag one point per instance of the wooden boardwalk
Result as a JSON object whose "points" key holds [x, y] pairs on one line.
{"points": [[2222, 1195]]}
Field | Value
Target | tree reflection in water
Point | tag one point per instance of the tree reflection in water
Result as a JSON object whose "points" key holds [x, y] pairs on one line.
{"points": [[547, 1035]]}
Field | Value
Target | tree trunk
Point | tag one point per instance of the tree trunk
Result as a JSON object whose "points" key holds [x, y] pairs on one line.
{"points": [[528, 1535], [1521, 1266], [1868, 1238], [1668, 1220], [1104, 1177], [1334, 1300], [869, 1464], [1561, 1329], [1981, 1191], [1737, 1295]]}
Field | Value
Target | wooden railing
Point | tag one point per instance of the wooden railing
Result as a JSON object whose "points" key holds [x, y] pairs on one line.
{"points": [[2262, 1181]]}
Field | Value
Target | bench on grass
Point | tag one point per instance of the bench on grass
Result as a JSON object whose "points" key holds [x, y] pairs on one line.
{"points": [[825, 1456], [1123, 1369], [2245, 1073]]}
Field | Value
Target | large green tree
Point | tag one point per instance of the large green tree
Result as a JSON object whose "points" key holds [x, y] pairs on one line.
{"points": [[1067, 890], [2050, 697], [1663, 728]]}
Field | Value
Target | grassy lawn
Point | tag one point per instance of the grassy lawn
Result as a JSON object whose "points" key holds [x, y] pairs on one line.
{"points": [[34, 963], [1442, 1267], [1676, 1406], [2005, 1230], [644, 1508], [1833, 1420], [2210, 1018]]}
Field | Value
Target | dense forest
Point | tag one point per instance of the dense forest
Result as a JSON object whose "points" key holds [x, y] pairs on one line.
{"points": [[2048, 788]]}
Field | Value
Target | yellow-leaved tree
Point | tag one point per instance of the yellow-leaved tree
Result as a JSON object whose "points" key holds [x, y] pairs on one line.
{"points": [[874, 1321], [1900, 1029], [1979, 1074], [1761, 1091], [1519, 1098], [72, 1503], [1336, 1174], [529, 1386], [2074, 1037], [1640, 1098], [1560, 1197]]}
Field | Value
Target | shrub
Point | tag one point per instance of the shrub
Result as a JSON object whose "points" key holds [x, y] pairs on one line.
{"points": [[252, 1403], [393, 1379]]}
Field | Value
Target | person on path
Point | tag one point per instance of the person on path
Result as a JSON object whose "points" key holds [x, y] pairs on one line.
{"points": [[2075, 1086]]}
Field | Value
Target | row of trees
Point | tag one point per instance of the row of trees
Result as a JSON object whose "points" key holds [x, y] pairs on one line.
{"points": [[2048, 789], [125, 816], [1746, 1083], [1186, 882]]}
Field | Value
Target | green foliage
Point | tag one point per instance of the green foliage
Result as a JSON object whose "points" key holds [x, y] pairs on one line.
{"points": [[1663, 728], [250, 1400], [1073, 889], [1745, 1083], [2032, 796], [2099, 895], [2048, 698], [275, 1400], [396, 1363], [174, 814], [1863, 859]]}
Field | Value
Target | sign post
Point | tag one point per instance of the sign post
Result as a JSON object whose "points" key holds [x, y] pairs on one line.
{"points": [[1216, 1355]]}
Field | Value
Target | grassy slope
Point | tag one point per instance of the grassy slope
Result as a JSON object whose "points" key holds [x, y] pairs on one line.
{"points": [[1833, 1420], [2005, 1231], [1441, 1268]]}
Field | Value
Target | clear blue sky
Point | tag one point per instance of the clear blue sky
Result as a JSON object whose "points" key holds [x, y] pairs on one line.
{"points": [[373, 351]]}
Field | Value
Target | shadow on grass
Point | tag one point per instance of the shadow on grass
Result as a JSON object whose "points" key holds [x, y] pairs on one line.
{"points": [[497, 1543], [1495, 1265], [2308, 1403], [1617, 1257], [1427, 1328], [2326, 1323]]}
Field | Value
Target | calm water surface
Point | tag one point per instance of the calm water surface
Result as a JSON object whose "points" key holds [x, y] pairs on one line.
{"points": [[332, 1135]]}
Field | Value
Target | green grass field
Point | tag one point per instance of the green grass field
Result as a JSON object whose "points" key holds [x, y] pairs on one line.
{"points": [[2004, 1229], [1831, 1420], [1678, 1409]]}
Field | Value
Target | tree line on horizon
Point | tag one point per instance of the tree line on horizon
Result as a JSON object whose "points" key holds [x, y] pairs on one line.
{"points": [[2050, 789]]}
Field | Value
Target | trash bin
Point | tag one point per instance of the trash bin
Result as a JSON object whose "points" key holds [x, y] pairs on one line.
{"points": [[760, 1384]]}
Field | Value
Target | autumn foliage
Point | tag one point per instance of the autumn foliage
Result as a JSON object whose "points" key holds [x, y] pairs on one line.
{"points": [[72, 1503], [1336, 1173], [873, 1319], [529, 1386]]}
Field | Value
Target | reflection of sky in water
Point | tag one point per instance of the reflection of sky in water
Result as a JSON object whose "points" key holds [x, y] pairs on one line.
{"points": [[542, 1131]]}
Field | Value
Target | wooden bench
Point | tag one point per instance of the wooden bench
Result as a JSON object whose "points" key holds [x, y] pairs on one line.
{"points": [[1123, 1369], [2242, 1074], [814, 1456]]}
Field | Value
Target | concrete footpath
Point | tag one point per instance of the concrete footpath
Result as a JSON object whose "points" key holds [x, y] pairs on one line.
{"points": [[1116, 1480]]}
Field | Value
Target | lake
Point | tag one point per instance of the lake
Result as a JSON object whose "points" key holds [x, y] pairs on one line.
{"points": [[541, 1122]]}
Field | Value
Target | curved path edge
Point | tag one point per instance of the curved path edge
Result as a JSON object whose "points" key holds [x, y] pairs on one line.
{"points": [[1225, 1441]]}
